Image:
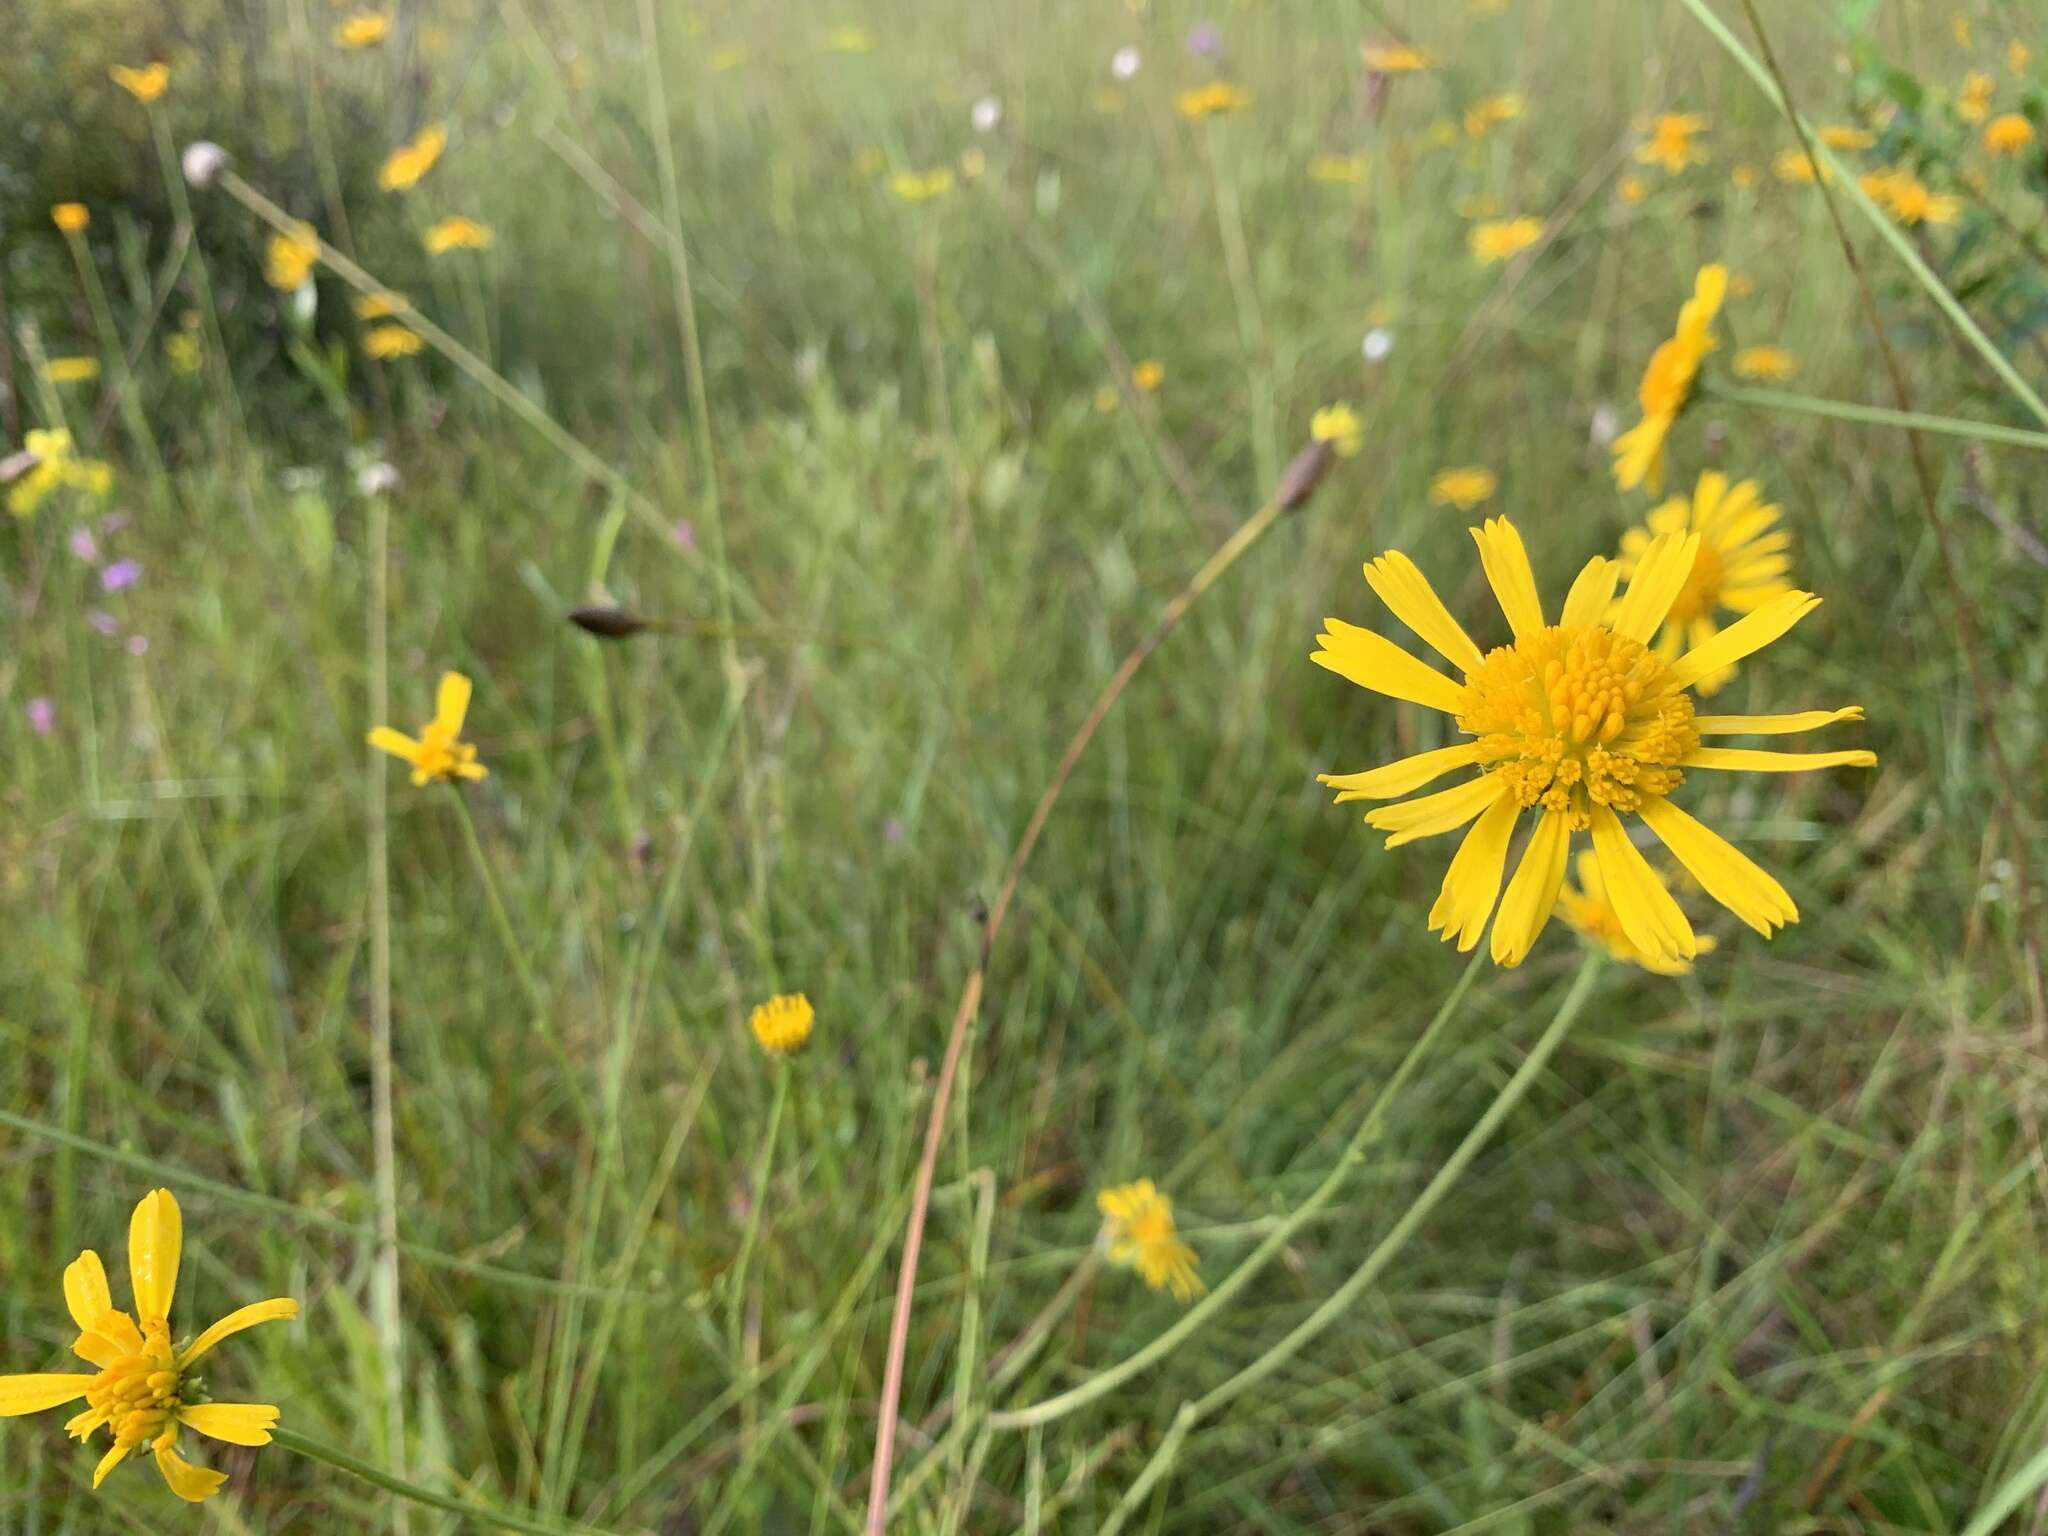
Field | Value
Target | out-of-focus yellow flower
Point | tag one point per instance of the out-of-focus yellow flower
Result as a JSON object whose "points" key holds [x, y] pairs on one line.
{"points": [[1107, 399], [1443, 133], [1148, 375], [1908, 199], [1212, 100], [2008, 134], [724, 60], [1338, 170], [56, 467], [1775, 364], [1485, 113], [1498, 240], [1667, 383], [440, 755], [365, 29], [388, 341], [973, 163], [73, 370], [870, 163], [783, 1023], [144, 1390], [1462, 488], [1959, 28], [1672, 142], [847, 40], [1841, 136], [1616, 735], [291, 256], [1394, 58], [146, 84], [381, 305], [1138, 1226], [1633, 189], [921, 186], [409, 162], [1590, 912], [1974, 105], [1744, 175], [2017, 56], [1340, 427], [1796, 168], [71, 217], [181, 351], [457, 233]]}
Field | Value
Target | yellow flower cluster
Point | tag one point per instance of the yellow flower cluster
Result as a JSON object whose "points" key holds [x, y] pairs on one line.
{"points": [[56, 468]]}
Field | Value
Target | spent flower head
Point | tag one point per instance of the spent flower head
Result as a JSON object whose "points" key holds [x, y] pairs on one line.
{"points": [[439, 755]]}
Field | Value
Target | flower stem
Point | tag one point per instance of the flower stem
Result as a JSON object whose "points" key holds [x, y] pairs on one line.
{"points": [[764, 1165], [1876, 415], [378, 1477]]}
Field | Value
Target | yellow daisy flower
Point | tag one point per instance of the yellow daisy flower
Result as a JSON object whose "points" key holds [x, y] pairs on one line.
{"points": [[1340, 427], [409, 162], [1671, 142], [1974, 105], [1841, 136], [56, 467], [388, 341], [1394, 58], [381, 305], [1773, 363], [1744, 176], [1497, 240], [146, 84], [143, 1389], [73, 370], [1462, 488], [1743, 560], [457, 233], [440, 755], [1796, 168], [1909, 200], [1589, 910], [365, 29], [1148, 375], [1667, 383], [1212, 100], [921, 186], [1137, 1223], [1633, 189], [782, 1024], [1580, 720], [290, 258], [2008, 134], [1485, 113], [71, 217], [2017, 55]]}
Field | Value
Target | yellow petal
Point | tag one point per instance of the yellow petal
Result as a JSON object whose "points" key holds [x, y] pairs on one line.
{"points": [[192, 1484], [156, 1238], [1443, 811], [1750, 760], [1747, 635], [280, 1309], [1404, 589], [1591, 592], [111, 1460], [1649, 916], [1371, 660], [236, 1423], [1532, 894], [397, 743], [1728, 874], [1508, 573], [451, 702], [1659, 578], [1400, 777], [1639, 454], [1472, 883], [32, 1394], [96, 1348], [1773, 725], [85, 1290]]}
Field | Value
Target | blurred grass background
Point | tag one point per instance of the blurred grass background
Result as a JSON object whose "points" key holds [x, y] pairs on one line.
{"points": [[1761, 1252]]}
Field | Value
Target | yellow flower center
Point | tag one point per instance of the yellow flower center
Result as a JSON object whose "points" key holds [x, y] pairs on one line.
{"points": [[441, 753], [1571, 718], [139, 1395]]}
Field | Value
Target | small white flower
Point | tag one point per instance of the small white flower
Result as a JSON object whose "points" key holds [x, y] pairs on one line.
{"points": [[1124, 63], [987, 113], [376, 478], [1379, 341], [203, 160], [1606, 424]]}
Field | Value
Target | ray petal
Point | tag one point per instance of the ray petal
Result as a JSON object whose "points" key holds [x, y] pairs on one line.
{"points": [[281, 1309], [1649, 916], [1774, 725], [1444, 811], [1508, 573], [1532, 894], [1659, 579], [156, 1239], [1472, 883], [193, 1484], [1592, 591], [1373, 661], [1747, 635], [236, 1423], [85, 1290], [1404, 589], [1753, 760], [1402, 776], [451, 702], [32, 1394], [1729, 875]]}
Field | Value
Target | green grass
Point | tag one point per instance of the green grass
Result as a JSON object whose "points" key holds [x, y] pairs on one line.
{"points": [[1758, 1250]]}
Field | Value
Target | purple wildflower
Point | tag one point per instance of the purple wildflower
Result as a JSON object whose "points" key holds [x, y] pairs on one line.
{"points": [[1205, 41], [84, 545], [42, 715], [121, 575]]}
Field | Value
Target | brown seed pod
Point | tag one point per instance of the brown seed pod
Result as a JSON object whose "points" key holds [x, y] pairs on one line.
{"points": [[608, 623], [1304, 472]]}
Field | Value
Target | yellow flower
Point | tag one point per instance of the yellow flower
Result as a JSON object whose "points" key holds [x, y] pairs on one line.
{"points": [[381, 305], [1483, 114], [1148, 375], [1591, 911], [140, 1391], [1499, 239], [440, 755], [1462, 488], [1838, 136], [56, 467], [1670, 144], [973, 163], [2008, 134], [1218, 96], [1107, 399], [2016, 56], [458, 233], [365, 29], [1580, 720], [291, 257], [1394, 58], [1959, 25], [409, 162], [1744, 175], [1773, 363], [1633, 189], [388, 341], [726, 59], [1137, 1222], [1741, 566], [73, 370], [181, 351], [1910, 200], [1795, 167], [1335, 170], [783, 1023], [1667, 383], [1340, 427], [1974, 105], [921, 186], [71, 217], [146, 84], [847, 40]]}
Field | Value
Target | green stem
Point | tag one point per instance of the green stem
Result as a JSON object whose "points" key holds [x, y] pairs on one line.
{"points": [[763, 1169], [379, 1478], [1936, 289], [1875, 415], [1209, 1306]]}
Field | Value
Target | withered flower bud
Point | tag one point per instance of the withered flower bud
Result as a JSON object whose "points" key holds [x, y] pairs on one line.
{"points": [[1303, 474], [608, 623]]}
